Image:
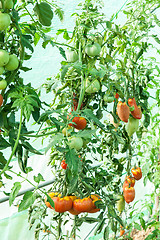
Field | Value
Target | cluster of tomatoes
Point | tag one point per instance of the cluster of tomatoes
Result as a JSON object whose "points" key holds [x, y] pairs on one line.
{"points": [[8, 61], [128, 185], [72, 204]]}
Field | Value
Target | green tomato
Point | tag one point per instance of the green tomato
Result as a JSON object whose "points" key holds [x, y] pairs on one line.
{"points": [[120, 203], [93, 50], [108, 99], [8, 4], [92, 87], [1, 184], [13, 63], [71, 56], [4, 57], [1, 70], [5, 21], [75, 142], [132, 126], [3, 84], [98, 39]]}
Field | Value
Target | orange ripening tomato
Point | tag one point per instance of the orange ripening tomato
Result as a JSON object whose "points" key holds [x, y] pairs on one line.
{"points": [[122, 231], [136, 113], [80, 123], [62, 205], [123, 111], [51, 194], [83, 205], [72, 210], [1, 100], [94, 198], [129, 181], [129, 194], [63, 164], [137, 173]]}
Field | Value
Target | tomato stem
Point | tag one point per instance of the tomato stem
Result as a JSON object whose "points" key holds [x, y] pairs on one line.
{"points": [[83, 81]]}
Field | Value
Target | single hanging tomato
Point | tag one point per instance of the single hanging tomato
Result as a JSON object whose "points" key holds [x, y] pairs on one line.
{"points": [[83, 205], [71, 56], [129, 181], [137, 173], [1, 100], [80, 123], [75, 142], [132, 126], [63, 164], [123, 111], [94, 198], [120, 204], [136, 113], [93, 50], [129, 194], [62, 204]]}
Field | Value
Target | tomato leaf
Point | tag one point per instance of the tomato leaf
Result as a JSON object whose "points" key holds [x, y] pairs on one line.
{"points": [[44, 12], [3, 161], [14, 192], [112, 213], [3, 143], [89, 114], [55, 139], [72, 160], [28, 146], [86, 133], [28, 200]]}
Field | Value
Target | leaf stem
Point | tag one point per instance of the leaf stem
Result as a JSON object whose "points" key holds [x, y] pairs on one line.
{"points": [[15, 145]]}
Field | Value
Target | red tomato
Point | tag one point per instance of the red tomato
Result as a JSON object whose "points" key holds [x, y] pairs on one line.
{"points": [[123, 111], [62, 204], [63, 164], [116, 96], [136, 113], [94, 198], [129, 194], [80, 123], [129, 181], [122, 231], [51, 194], [83, 205], [137, 173], [1, 100]]}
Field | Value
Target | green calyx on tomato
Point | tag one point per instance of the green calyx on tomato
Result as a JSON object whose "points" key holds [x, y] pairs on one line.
{"points": [[3, 84], [75, 142], [132, 126], [93, 50], [13, 63], [71, 56], [5, 21], [4, 58], [120, 204], [92, 87]]}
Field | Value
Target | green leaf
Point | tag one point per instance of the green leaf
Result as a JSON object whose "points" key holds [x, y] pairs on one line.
{"points": [[3, 143], [25, 40], [14, 192], [156, 38], [44, 12], [72, 160], [38, 178], [137, 226], [64, 71], [112, 212], [55, 139], [28, 200], [3, 161], [106, 233], [142, 223], [28, 146], [86, 133], [57, 123], [89, 114]]}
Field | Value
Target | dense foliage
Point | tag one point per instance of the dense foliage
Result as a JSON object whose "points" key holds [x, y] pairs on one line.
{"points": [[99, 122]]}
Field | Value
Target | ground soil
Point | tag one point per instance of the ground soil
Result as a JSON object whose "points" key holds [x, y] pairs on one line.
{"points": [[141, 235]]}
